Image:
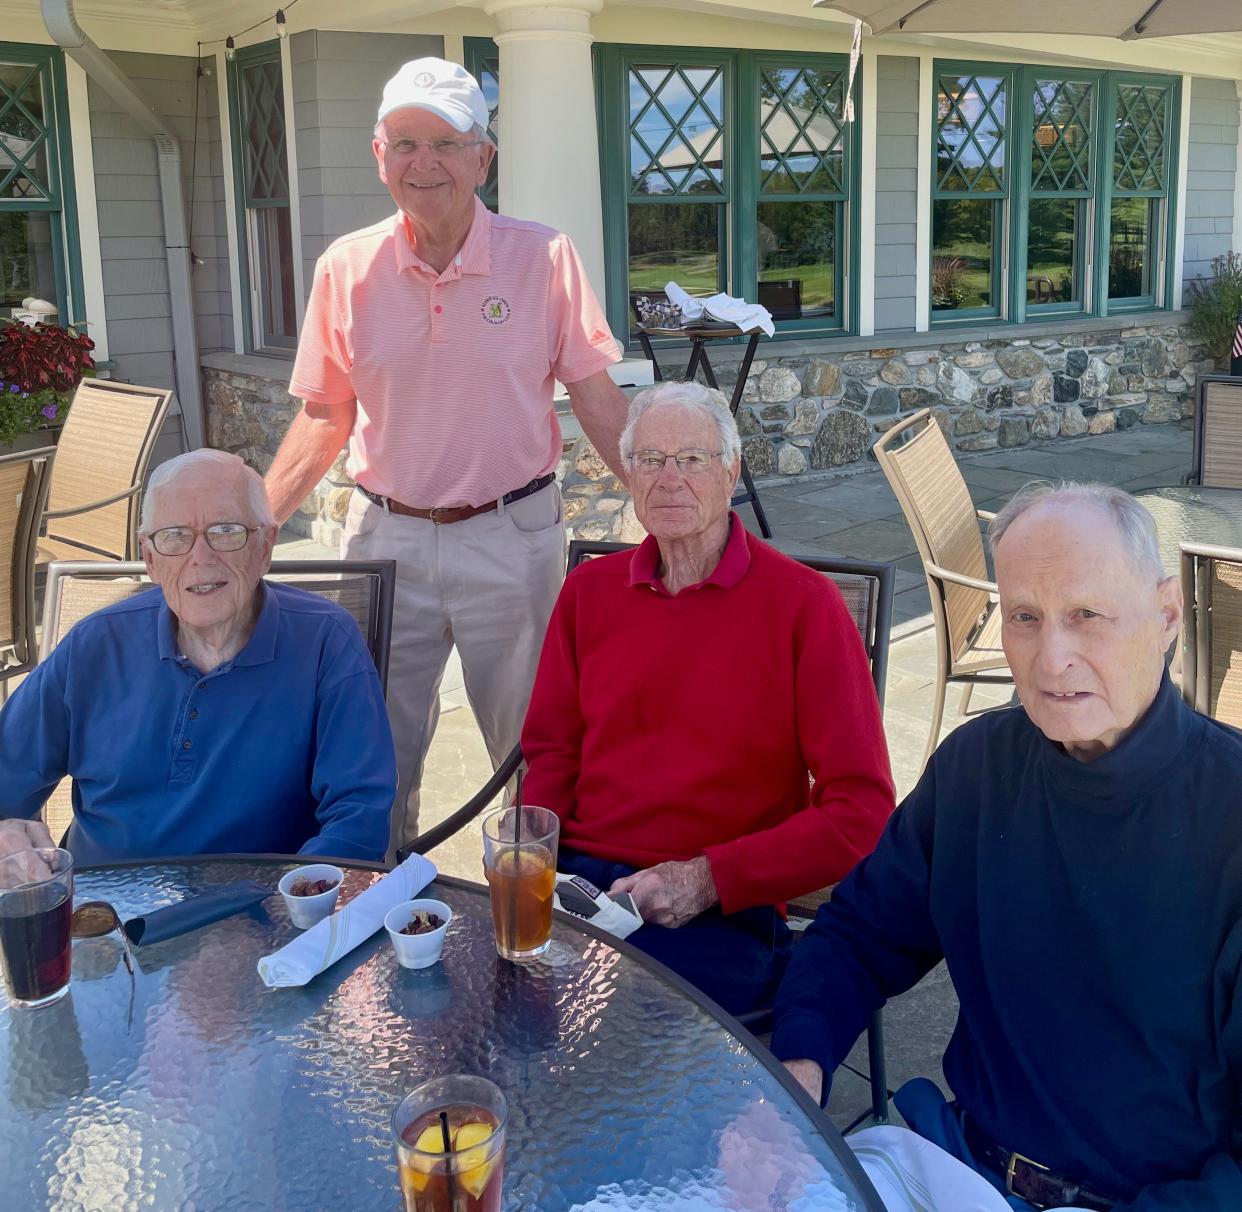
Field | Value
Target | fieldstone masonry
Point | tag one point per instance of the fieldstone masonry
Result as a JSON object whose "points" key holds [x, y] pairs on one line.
{"points": [[805, 414]]}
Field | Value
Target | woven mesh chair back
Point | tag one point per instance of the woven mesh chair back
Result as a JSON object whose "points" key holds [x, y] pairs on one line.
{"points": [[1222, 434], [23, 487], [71, 596], [104, 449], [936, 502], [1225, 642]]}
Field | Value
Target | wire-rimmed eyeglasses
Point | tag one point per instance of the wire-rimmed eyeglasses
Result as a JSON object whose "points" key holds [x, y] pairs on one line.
{"points": [[220, 536], [689, 462]]}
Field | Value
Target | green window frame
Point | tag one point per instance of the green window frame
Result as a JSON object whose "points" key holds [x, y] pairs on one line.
{"points": [[483, 63], [758, 138], [37, 201], [1083, 206], [261, 199]]}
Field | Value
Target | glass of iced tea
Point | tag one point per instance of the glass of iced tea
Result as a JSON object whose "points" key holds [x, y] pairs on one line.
{"points": [[467, 1176], [520, 865], [36, 904]]}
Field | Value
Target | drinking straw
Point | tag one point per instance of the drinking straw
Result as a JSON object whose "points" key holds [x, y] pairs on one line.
{"points": [[448, 1158], [517, 862]]}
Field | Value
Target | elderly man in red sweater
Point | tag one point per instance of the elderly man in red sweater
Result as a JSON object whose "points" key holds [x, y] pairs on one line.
{"points": [[703, 720]]}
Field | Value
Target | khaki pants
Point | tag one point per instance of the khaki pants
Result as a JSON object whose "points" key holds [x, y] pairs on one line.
{"points": [[488, 585]]}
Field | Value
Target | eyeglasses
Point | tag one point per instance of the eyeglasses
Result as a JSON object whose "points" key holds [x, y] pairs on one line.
{"points": [[689, 462], [440, 148], [220, 536]]}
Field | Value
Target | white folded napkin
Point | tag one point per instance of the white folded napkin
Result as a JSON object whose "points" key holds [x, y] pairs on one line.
{"points": [[730, 310], [323, 944]]}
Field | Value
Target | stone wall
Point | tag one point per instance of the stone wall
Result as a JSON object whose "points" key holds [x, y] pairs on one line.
{"points": [[805, 413], [811, 414]]}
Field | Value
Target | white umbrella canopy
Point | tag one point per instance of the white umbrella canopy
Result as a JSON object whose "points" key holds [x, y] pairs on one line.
{"points": [[1102, 18]]}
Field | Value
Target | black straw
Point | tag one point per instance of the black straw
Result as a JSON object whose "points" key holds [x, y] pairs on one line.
{"points": [[448, 1157]]}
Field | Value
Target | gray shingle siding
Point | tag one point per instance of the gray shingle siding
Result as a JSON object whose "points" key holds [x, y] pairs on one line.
{"points": [[135, 273], [337, 81], [896, 190], [1211, 168]]}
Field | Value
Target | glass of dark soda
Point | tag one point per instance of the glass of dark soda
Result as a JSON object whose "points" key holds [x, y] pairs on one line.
{"points": [[36, 904]]}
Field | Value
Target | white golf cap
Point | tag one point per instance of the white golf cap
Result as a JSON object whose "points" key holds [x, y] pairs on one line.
{"points": [[442, 88]]}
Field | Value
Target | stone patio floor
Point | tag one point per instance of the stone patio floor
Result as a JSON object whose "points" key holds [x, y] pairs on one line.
{"points": [[852, 515]]}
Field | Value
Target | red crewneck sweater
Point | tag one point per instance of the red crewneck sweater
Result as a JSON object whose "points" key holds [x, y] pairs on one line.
{"points": [[736, 720]]}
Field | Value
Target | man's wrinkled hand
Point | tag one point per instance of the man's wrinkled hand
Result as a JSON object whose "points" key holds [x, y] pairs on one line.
{"points": [[670, 894], [809, 1075], [24, 838]]}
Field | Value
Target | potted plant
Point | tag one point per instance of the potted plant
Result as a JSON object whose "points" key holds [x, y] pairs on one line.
{"points": [[1215, 304], [40, 366], [946, 283]]}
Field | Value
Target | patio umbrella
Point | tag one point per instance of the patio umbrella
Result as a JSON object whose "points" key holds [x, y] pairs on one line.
{"points": [[1103, 18]]}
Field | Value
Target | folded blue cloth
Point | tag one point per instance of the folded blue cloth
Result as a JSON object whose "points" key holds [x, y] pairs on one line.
{"points": [[193, 912]]}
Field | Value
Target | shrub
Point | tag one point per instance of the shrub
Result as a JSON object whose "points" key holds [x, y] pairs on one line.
{"points": [[40, 365], [946, 282], [1215, 303]]}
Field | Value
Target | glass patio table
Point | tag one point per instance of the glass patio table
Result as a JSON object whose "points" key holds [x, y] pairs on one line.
{"points": [[1187, 513], [192, 1085]]}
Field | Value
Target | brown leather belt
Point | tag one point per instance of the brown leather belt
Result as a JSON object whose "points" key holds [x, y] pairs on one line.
{"points": [[442, 515], [1029, 1180]]}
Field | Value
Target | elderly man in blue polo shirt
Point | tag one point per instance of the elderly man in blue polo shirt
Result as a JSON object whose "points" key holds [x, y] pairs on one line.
{"points": [[217, 713]]}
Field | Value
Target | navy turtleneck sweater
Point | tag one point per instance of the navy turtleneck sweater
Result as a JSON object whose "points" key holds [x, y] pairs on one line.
{"points": [[1090, 915]]}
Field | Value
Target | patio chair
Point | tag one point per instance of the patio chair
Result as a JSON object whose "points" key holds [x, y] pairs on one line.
{"points": [[101, 463], [364, 588], [936, 503], [1217, 458], [23, 491], [1212, 631]]}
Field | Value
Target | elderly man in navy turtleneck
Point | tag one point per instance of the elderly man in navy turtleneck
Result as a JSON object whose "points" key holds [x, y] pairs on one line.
{"points": [[1077, 862]]}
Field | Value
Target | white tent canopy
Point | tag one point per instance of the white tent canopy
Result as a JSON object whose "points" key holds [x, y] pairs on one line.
{"points": [[1104, 18]]}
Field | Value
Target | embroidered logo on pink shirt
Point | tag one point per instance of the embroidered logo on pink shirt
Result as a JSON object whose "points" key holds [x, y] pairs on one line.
{"points": [[495, 309]]}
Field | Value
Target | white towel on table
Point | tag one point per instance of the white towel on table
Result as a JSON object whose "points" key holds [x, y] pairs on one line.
{"points": [[746, 316], [911, 1174], [325, 943]]}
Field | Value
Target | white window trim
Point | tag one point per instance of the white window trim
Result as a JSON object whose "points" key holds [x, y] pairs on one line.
{"points": [[82, 151], [230, 216]]}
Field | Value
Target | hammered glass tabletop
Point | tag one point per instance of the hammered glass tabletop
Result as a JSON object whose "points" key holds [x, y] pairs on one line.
{"points": [[193, 1086], [1186, 513]]}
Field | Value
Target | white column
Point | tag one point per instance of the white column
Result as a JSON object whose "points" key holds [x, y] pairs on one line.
{"points": [[1237, 182], [88, 212], [549, 142], [1177, 254], [923, 220]]}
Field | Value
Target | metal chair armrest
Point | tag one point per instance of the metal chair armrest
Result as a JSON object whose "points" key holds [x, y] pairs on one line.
{"points": [[958, 578], [113, 500]]}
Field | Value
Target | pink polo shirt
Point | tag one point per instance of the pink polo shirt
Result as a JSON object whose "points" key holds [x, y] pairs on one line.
{"points": [[452, 373]]}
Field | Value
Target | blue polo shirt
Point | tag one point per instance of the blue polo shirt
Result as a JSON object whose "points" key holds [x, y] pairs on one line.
{"points": [[286, 748]]}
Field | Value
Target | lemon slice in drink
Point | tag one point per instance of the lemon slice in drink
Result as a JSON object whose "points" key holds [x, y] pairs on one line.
{"points": [[418, 1172], [470, 1157]]}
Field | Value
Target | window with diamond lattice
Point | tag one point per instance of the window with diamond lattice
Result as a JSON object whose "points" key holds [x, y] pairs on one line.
{"points": [[1050, 191], [33, 182], [261, 161], [734, 175]]}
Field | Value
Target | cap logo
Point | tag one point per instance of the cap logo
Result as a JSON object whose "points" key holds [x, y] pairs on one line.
{"points": [[424, 79]]}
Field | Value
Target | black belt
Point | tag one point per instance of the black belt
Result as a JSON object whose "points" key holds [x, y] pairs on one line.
{"points": [[1029, 1180], [443, 514]]}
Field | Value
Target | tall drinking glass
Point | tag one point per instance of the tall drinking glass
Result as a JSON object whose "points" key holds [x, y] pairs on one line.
{"points": [[36, 903], [468, 1176], [521, 874]]}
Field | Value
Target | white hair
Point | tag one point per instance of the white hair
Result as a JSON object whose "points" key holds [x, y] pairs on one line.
{"points": [[1134, 524], [164, 475], [692, 398], [479, 132]]}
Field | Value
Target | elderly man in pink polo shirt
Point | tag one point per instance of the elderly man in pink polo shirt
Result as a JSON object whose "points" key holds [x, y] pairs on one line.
{"points": [[432, 342]]}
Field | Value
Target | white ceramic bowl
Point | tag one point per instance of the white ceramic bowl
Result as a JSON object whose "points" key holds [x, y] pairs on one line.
{"points": [[307, 910], [417, 950]]}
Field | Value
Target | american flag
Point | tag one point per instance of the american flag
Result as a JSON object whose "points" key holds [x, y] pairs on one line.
{"points": [[1237, 338]]}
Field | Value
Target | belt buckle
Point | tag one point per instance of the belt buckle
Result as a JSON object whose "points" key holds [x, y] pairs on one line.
{"points": [[439, 513], [1010, 1168]]}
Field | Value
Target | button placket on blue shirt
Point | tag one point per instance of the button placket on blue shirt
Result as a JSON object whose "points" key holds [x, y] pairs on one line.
{"points": [[184, 764]]}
